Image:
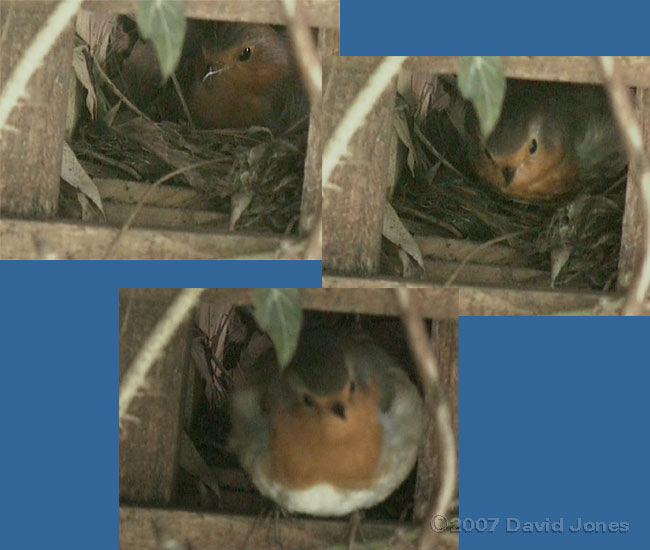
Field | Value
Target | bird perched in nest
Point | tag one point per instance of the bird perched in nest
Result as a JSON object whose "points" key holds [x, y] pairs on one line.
{"points": [[244, 75], [336, 431], [551, 141]]}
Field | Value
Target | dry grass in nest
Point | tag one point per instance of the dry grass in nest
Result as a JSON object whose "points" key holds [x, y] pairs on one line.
{"points": [[255, 179], [577, 242]]}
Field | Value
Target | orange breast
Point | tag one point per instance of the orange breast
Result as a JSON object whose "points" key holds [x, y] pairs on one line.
{"points": [[311, 449]]}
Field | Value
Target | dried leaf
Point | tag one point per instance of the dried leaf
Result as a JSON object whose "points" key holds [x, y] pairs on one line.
{"points": [[81, 70], [401, 127], [239, 202], [75, 175], [396, 233], [96, 29]]}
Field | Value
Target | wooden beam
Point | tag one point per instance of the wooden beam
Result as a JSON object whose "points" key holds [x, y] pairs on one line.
{"points": [[445, 338], [149, 439], [31, 240], [632, 244], [487, 301], [312, 189], [152, 529], [317, 13], [32, 141], [353, 202], [636, 69], [435, 303]]}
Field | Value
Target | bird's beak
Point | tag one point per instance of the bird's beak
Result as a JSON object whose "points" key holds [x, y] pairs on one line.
{"points": [[339, 410]]}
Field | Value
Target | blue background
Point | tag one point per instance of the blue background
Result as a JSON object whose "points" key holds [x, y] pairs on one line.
{"points": [[552, 27], [59, 387], [554, 424]]}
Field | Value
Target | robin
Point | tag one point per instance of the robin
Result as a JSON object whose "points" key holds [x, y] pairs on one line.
{"points": [[336, 431], [551, 141], [243, 76]]}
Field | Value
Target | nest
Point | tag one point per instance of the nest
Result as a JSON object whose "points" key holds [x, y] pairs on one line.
{"points": [[253, 178], [578, 242], [249, 178]]}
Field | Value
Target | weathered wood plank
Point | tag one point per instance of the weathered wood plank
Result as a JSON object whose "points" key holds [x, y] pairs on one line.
{"points": [[32, 141], [435, 303], [312, 189], [632, 238], [353, 202], [28, 240], [445, 338], [149, 529], [486, 301], [471, 274], [149, 443], [172, 218], [317, 13], [636, 69]]}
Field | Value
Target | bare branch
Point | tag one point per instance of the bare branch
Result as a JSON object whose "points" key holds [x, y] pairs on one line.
{"points": [[427, 366], [623, 109], [33, 57], [354, 117], [154, 345], [305, 52]]}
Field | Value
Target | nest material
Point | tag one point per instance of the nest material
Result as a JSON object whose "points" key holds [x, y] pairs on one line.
{"points": [[578, 241], [255, 179]]}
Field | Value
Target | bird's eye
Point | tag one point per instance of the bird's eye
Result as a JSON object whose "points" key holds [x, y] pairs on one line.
{"points": [[245, 54], [533, 146], [353, 386], [308, 401]]}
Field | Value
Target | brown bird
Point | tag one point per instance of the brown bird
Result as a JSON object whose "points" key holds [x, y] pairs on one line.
{"points": [[244, 75], [551, 141]]}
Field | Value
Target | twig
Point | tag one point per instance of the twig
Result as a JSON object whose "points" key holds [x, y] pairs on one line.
{"points": [[427, 366], [146, 195], [478, 249], [179, 92], [154, 345], [442, 159], [337, 145], [116, 90], [623, 109], [305, 52], [123, 166], [33, 57]]}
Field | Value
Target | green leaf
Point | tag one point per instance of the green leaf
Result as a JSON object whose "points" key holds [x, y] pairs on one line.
{"points": [[278, 313], [163, 22], [481, 80]]}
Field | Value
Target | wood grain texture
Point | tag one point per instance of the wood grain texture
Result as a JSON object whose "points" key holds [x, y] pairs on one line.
{"points": [[354, 200], [149, 444], [312, 189], [636, 69], [435, 303], [31, 144], [317, 13], [27, 240], [445, 337], [149, 529], [486, 301], [632, 244]]}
